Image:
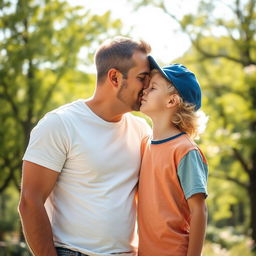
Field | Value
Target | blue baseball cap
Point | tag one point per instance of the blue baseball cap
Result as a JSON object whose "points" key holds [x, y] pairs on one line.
{"points": [[182, 79]]}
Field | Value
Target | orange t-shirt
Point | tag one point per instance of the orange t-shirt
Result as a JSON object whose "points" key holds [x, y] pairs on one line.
{"points": [[163, 212]]}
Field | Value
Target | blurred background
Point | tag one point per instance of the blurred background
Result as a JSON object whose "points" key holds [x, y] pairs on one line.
{"points": [[46, 60]]}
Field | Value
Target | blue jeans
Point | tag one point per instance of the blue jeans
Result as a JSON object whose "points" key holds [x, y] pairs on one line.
{"points": [[67, 252]]}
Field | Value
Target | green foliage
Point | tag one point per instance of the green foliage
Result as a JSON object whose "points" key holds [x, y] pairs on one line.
{"points": [[19, 249], [226, 242], [213, 249], [9, 221], [40, 55]]}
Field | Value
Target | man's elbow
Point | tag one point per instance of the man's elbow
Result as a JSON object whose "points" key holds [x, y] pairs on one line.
{"points": [[27, 204], [23, 205]]}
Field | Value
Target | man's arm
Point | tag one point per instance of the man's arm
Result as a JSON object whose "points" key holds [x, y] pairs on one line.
{"points": [[198, 222], [37, 184]]}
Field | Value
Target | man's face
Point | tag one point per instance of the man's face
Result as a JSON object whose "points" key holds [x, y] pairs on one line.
{"points": [[137, 79]]}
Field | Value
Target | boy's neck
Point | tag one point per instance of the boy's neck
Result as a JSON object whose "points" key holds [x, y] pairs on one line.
{"points": [[163, 129], [165, 134]]}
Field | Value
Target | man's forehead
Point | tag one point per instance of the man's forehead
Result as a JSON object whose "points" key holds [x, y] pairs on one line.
{"points": [[140, 70], [141, 64], [140, 58]]}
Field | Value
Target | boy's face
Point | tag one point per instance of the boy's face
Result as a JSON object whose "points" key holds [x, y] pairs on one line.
{"points": [[156, 96]]}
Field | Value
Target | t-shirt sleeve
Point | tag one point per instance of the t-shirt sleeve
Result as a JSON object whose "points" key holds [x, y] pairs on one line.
{"points": [[193, 174], [147, 130], [48, 144], [143, 145]]}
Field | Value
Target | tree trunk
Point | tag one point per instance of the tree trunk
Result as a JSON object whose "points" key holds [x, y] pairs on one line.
{"points": [[252, 195], [252, 174]]}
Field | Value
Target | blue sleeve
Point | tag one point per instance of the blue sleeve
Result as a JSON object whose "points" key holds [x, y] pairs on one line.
{"points": [[193, 174]]}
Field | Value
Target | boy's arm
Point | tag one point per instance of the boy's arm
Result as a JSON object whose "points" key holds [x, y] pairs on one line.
{"points": [[198, 223]]}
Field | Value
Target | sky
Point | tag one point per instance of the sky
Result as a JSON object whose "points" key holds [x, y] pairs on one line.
{"points": [[149, 23]]}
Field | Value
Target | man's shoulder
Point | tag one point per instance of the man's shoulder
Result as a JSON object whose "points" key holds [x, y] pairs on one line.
{"points": [[69, 111], [59, 116], [139, 124], [136, 119], [68, 108]]}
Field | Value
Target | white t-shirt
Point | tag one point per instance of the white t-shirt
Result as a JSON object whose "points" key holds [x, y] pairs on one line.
{"points": [[92, 207]]}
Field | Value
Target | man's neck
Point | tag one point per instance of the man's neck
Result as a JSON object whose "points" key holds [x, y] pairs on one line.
{"points": [[105, 110]]}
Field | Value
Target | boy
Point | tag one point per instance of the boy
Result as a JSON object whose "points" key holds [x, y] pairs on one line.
{"points": [[172, 213]]}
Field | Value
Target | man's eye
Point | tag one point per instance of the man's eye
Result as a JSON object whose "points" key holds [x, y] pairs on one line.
{"points": [[142, 79]]}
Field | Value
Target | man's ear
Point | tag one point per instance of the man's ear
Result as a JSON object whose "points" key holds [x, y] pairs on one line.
{"points": [[114, 77], [173, 101]]}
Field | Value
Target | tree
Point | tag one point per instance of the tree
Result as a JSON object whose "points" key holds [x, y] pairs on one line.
{"points": [[39, 59], [223, 38]]}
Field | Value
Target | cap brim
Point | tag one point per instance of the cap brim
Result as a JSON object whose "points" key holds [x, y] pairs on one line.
{"points": [[154, 65]]}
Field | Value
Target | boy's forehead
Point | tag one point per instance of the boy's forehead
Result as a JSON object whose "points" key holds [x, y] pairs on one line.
{"points": [[157, 77]]}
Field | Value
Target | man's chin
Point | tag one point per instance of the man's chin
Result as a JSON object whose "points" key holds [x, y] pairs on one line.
{"points": [[136, 106]]}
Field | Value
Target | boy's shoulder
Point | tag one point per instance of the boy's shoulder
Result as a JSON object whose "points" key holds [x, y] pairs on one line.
{"points": [[184, 145]]}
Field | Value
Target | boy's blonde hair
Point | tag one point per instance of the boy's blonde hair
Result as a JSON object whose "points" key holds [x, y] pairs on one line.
{"points": [[186, 119]]}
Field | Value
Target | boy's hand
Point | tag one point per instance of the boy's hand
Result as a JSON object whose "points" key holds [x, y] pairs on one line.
{"points": [[198, 223]]}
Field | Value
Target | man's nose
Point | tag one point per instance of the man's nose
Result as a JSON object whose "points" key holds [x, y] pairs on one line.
{"points": [[146, 83]]}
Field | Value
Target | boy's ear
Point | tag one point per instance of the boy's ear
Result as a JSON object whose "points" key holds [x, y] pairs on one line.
{"points": [[114, 77], [173, 101]]}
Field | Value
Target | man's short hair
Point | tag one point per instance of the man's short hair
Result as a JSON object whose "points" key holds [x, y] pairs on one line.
{"points": [[117, 53]]}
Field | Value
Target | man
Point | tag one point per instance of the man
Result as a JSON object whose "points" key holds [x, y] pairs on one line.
{"points": [[81, 166]]}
